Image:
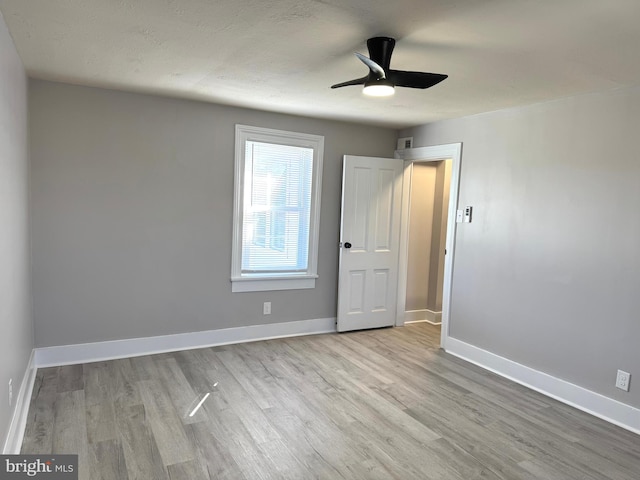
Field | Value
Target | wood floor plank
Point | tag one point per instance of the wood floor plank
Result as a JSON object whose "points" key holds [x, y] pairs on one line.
{"points": [[145, 367], [369, 407], [97, 382], [141, 453], [311, 420], [623, 450], [124, 379], [70, 429], [311, 447], [165, 423], [214, 453], [381, 404], [463, 463], [191, 470], [101, 422], [357, 395], [196, 367], [40, 420], [470, 436], [243, 403], [70, 378], [408, 460], [107, 461], [250, 374], [242, 446], [287, 464], [183, 397]]}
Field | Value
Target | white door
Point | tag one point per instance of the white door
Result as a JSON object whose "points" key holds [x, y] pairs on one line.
{"points": [[370, 240]]}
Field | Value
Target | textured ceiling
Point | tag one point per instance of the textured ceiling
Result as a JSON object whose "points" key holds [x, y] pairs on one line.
{"points": [[282, 55]]}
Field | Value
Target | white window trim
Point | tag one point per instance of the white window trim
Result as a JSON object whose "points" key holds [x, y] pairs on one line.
{"points": [[264, 282]]}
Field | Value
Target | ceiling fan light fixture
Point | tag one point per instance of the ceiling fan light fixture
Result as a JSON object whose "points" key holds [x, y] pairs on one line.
{"points": [[379, 88]]}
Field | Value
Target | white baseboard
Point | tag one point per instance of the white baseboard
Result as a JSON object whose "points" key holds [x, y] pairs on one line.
{"points": [[13, 442], [606, 408], [424, 315], [133, 347]]}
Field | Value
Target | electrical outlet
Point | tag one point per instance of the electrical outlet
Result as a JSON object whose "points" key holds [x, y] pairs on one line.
{"points": [[266, 308], [10, 392], [622, 380]]}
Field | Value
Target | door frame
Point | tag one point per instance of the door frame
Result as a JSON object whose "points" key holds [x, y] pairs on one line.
{"points": [[453, 152]]}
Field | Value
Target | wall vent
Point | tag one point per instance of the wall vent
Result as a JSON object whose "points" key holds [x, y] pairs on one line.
{"points": [[405, 142]]}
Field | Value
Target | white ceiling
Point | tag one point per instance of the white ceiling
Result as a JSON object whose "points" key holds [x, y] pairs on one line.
{"points": [[282, 55]]}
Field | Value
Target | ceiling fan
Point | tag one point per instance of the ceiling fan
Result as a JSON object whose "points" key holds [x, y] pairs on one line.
{"points": [[382, 79]]}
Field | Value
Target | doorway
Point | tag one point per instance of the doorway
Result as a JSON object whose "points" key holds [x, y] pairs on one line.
{"points": [[430, 155], [428, 205]]}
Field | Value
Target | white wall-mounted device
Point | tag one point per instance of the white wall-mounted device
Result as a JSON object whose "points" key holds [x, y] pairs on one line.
{"points": [[464, 215], [404, 143], [622, 380], [468, 211]]}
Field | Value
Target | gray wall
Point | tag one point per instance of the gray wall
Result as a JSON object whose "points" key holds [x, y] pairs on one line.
{"points": [[132, 214], [16, 339], [548, 273]]}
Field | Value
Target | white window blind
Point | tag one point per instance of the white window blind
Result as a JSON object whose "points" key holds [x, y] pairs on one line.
{"points": [[277, 208]]}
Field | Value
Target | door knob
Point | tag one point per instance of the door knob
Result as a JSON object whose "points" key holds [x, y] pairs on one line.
{"points": [[347, 245]]}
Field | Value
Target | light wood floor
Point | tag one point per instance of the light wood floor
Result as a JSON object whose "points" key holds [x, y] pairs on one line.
{"points": [[383, 404]]}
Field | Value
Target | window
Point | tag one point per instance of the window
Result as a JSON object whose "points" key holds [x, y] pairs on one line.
{"points": [[276, 209]]}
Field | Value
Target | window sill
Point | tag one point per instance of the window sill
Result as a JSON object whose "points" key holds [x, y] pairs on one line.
{"points": [[262, 284]]}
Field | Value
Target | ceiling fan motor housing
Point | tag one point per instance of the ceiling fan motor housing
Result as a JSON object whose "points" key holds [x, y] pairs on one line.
{"points": [[380, 50]]}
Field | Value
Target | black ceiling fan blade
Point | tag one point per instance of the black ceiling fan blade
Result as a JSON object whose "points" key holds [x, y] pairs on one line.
{"points": [[401, 78], [357, 81], [376, 69]]}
